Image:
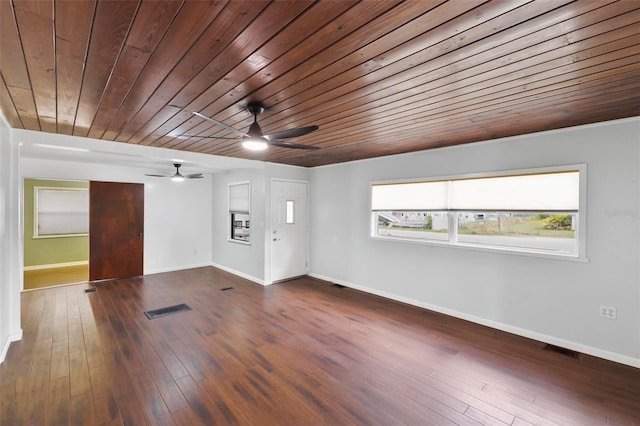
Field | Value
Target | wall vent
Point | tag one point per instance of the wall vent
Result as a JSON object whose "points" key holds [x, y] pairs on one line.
{"points": [[562, 351], [157, 313]]}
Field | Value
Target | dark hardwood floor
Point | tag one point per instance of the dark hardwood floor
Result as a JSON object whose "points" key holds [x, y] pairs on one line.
{"points": [[302, 352]]}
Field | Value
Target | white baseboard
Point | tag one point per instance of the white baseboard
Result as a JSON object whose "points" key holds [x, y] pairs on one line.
{"points": [[175, 268], [56, 265], [13, 337], [600, 353], [238, 273]]}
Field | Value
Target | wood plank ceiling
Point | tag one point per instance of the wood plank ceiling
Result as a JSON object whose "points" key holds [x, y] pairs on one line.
{"points": [[378, 77]]}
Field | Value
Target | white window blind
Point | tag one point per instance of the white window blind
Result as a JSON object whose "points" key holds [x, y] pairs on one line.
{"points": [[61, 212], [534, 192], [539, 192], [239, 198], [410, 196]]}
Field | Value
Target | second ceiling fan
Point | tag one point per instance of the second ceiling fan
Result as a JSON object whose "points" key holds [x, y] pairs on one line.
{"points": [[255, 140]]}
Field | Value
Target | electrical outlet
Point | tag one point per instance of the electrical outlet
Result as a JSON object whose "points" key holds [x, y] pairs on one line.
{"points": [[609, 312]]}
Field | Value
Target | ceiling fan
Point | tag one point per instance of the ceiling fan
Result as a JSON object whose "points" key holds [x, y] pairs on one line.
{"points": [[255, 140], [177, 176]]}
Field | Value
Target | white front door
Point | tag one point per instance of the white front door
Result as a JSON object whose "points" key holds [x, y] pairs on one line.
{"points": [[288, 229]]}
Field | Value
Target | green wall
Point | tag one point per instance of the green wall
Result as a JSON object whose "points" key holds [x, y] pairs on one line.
{"points": [[48, 251]]}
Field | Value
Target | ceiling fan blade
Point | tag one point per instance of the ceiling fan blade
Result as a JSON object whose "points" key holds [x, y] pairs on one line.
{"points": [[284, 144], [165, 175], [291, 133], [203, 137], [221, 124], [194, 176]]}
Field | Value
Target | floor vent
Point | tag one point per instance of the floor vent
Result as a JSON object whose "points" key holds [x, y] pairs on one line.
{"points": [[90, 290], [337, 285], [226, 288], [562, 351], [157, 313]]}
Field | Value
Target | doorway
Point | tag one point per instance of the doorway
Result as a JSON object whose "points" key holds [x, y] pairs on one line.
{"points": [[289, 229], [104, 244], [56, 226]]}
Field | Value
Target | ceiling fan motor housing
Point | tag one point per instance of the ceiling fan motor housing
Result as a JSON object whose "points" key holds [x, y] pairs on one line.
{"points": [[255, 108]]}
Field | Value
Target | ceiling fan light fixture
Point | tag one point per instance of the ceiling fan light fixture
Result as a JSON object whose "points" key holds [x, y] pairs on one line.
{"points": [[255, 139], [177, 178], [254, 144]]}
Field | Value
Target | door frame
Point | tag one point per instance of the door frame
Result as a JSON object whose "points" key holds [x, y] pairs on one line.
{"points": [[269, 229]]}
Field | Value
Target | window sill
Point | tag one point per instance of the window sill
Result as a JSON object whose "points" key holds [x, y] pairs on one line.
{"points": [[44, 237], [246, 243], [487, 249]]}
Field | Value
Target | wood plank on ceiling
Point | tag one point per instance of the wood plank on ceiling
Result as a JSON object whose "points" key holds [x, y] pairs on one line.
{"points": [[72, 33], [239, 81], [495, 9], [8, 107], [409, 80], [148, 29], [269, 21], [377, 77], [445, 89], [111, 25], [35, 20], [14, 68], [369, 25], [332, 107]]}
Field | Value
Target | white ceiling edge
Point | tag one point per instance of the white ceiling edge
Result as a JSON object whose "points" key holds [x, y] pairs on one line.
{"points": [[50, 146]]}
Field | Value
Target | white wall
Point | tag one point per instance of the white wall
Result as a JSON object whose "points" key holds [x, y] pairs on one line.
{"points": [[246, 260], [10, 258], [551, 300]]}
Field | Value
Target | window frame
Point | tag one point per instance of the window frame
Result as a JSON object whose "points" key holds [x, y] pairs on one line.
{"points": [[579, 255], [36, 212], [231, 216]]}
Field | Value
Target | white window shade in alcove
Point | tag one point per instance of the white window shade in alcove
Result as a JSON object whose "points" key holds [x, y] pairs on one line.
{"points": [[61, 212], [239, 198]]}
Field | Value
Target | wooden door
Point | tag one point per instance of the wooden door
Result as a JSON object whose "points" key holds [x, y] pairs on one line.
{"points": [[116, 229]]}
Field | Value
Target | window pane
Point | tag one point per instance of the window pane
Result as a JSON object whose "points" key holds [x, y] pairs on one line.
{"points": [[539, 231], [289, 218], [239, 204], [240, 229], [409, 224]]}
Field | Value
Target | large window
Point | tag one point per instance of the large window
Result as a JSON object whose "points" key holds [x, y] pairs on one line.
{"points": [[60, 212], [532, 211], [239, 212]]}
